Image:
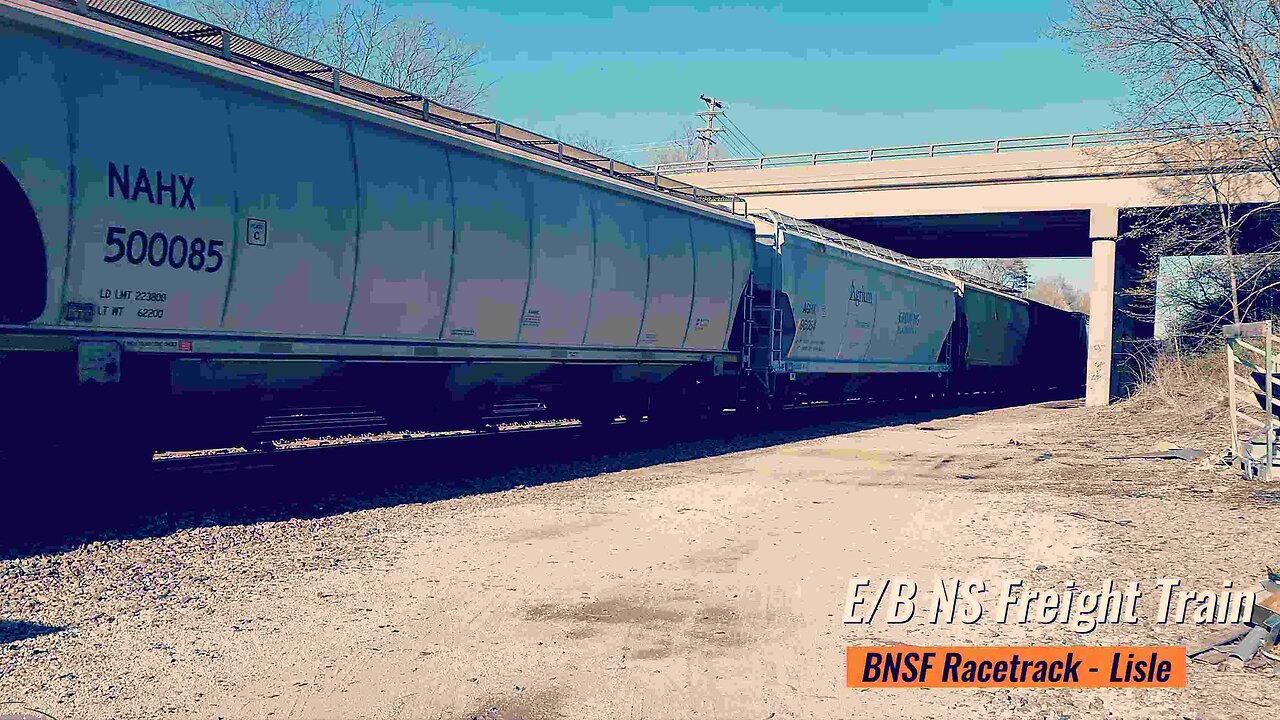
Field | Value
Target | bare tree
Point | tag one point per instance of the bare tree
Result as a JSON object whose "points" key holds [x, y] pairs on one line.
{"points": [[684, 145], [1012, 273], [361, 37], [1197, 294], [1058, 292], [584, 140], [293, 25], [1205, 104]]}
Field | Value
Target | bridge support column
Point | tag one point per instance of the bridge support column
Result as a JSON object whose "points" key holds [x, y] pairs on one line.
{"points": [[1113, 329]]}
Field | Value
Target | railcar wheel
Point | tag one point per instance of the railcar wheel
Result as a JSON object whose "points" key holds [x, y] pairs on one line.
{"points": [[680, 422], [596, 422]]}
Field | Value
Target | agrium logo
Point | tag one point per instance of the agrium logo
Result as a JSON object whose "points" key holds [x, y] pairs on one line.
{"points": [[858, 296]]}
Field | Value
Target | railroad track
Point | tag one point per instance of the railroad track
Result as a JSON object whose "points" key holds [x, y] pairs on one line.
{"points": [[195, 490], [339, 449], [220, 461]]}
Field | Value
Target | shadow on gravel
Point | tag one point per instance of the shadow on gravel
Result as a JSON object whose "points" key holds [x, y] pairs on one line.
{"points": [[15, 630], [317, 483]]}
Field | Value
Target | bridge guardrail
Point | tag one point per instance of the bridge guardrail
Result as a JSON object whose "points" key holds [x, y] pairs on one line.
{"points": [[900, 152]]}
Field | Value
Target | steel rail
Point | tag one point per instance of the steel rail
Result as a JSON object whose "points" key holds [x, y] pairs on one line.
{"points": [[251, 459], [238, 460], [248, 488]]}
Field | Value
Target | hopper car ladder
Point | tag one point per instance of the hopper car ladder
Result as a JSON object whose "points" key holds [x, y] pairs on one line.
{"points": [[772, 316], [757, 358], [1253, 361], [763, 361], [748, 323], [776, 364]]}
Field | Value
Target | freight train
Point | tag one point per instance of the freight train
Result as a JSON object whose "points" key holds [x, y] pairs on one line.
{"points": [[210, 241]]}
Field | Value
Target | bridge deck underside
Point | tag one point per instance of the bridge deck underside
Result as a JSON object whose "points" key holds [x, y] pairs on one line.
{"points": [[1053, 233], [1027, 234]]}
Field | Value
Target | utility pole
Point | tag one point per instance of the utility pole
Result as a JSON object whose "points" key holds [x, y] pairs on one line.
{"points": [[707, 135]]}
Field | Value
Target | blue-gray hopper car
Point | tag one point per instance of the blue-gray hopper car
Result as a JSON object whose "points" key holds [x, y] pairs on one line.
{"points": [[210, 241]]}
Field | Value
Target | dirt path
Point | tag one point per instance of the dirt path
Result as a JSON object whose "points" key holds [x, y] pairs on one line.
{"points": [[707, 588]]}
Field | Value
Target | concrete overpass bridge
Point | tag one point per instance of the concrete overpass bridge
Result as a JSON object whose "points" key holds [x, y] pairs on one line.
{"points": [[1047, 196]]}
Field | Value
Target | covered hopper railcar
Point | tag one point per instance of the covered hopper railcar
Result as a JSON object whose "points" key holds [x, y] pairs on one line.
{"points": [[200, 242], [837, 319], [989, 338], [206, 245]]}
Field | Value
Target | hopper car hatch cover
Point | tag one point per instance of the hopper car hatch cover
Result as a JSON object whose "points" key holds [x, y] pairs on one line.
{"points": [[212, 40], [22, 260]]}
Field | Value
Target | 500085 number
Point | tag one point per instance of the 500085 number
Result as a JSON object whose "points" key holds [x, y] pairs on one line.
{"points": [[177, 252]]}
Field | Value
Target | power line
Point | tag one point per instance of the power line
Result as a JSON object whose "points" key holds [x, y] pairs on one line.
{"points": [[735, 139], [740, 144], [707, 135], [644, 146], [733, 143], [729, 133], [742, 139], [734, 128]]}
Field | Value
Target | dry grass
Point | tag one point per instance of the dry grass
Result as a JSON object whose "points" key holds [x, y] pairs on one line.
{"points": [[1182, 383], [1182, 398]]}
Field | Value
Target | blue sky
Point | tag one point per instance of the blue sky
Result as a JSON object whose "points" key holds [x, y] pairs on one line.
{"points": [[794, 77], [797, 77]]}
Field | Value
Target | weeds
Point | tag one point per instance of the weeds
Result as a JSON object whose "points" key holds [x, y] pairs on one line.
{"points": [[1186, 383]]}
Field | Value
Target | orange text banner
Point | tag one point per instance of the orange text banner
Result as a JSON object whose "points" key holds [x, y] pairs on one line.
{"points": [[899, 666]]}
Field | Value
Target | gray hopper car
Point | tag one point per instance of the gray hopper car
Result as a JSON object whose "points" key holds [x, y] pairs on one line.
{"points": [[207, 244], [202, 240], [837, 319]]}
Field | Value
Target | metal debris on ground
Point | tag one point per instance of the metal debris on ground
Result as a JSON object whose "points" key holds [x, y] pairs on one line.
{"points": [[1268, 496], [1083, 516], [1190, 454], [1247, 645]]}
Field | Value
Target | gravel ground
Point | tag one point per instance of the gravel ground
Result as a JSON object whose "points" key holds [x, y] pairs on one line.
{"points": [[630, 586]]}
